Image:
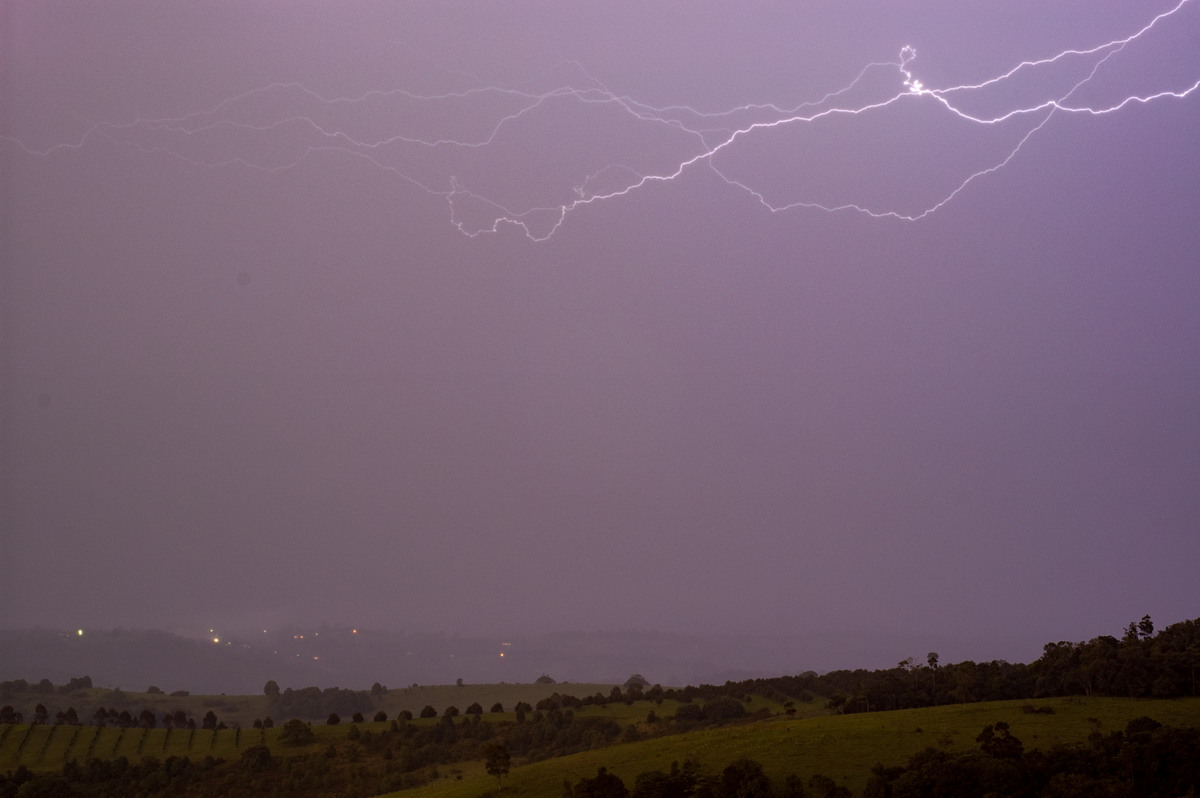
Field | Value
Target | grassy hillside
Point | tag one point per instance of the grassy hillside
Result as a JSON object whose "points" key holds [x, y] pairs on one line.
{"points": [[843, 747]]}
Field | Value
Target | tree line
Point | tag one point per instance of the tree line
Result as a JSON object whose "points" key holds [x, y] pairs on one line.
{"points": [[1140, 663]]}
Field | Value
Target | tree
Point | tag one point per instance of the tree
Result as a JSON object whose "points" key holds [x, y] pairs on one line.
{"points": [[723, 708], [475, 709], [497, 707], [271, 689], [497, 761], [296, 732], [603, 785], [825, 787], [256, 758], [428, 712], [744, 778], [333, 719], [544, 679], [210, 720], [380, 716], [996, 741], [679, 783], [1146, 627]]}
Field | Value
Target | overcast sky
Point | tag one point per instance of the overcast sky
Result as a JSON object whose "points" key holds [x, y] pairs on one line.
{"points": [[485, 317]]}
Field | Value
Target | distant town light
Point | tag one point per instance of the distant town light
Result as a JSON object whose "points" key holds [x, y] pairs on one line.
{"points": [[216, 640], [79, 632]]}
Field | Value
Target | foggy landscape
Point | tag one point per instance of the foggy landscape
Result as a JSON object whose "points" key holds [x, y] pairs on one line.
{"points": [[660, 338]]}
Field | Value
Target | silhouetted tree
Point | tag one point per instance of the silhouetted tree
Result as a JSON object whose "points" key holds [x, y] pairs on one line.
{"points": [[497, 760], [744, 778], [602, 785], [296, 732]]}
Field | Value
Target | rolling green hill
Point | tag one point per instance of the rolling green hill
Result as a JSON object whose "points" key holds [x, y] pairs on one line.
{"points": [[843, 747]]}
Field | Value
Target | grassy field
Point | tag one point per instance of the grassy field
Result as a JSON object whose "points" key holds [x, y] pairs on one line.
{"points": [[48, 747], [843, 747]]}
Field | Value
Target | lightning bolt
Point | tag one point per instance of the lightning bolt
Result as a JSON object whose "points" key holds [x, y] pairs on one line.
{"points": [[459, 146]]}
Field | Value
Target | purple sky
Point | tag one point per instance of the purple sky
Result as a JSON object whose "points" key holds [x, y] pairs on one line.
{"points": [[257, 368]]}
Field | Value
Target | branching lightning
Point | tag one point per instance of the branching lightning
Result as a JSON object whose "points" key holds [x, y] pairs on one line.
{"points": [[459, 146]]}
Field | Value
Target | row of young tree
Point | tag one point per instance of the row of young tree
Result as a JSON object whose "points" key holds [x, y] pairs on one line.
{"points": [[365, 762], [111, 716]]}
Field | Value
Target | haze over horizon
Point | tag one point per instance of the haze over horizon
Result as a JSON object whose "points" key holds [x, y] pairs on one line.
{"points": [[517, 317]]}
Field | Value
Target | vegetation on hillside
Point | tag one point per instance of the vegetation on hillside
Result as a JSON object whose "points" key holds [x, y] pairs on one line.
{"points": [[57, 750]]}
